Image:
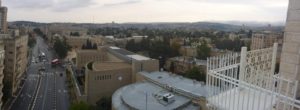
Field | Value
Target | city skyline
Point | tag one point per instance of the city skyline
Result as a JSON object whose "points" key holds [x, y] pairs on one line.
{"points": [[121, 11]]}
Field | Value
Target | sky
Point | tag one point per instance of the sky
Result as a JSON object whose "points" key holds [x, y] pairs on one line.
{"points": [[121, 11]]}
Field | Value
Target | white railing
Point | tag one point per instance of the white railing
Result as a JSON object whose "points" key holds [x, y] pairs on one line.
{"points": [[246, 81]]}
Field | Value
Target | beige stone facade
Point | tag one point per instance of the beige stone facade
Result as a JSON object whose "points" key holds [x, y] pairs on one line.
{"points": [[3, 19], [85, 56], [16, 61], [188, 51], [290, 61], [110, 68], [104, 78], [264, 40], [2, 57]]}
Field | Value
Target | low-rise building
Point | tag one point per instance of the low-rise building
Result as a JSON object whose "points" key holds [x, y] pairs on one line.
{"points": [[111, 66], [188, 51], [161, 91], [182, 64]]}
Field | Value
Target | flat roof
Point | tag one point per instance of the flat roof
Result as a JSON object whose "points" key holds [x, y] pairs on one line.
{"points": [[234, 99], [192, 88], [138, 57], [126, 55], [105, 66], [190, 60], [145, 95]]}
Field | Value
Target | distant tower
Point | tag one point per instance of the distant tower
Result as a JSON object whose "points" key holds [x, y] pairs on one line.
{"points": [[290, 57], [3, 18]]}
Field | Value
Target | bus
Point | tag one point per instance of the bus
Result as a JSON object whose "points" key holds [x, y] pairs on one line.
{"points": [[55, 62]]}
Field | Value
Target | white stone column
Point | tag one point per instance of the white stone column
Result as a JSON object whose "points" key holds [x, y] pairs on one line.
{"points": [[290, 57], [242, 65]]}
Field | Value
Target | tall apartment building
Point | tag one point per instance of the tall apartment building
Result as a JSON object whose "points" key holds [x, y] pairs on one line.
{"points": [[290, 57], [2, 57], [264, 40], [16, 61], [3, 19]]}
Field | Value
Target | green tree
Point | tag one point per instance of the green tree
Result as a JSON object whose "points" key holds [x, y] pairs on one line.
{"points": [[196, 73], [104, 104], [80, 106], [203, 51], [132, 46], [60, 48], [31, 41], [76, 34]]}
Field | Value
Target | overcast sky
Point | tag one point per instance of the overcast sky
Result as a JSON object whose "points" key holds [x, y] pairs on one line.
{"points": [[120, 11]]}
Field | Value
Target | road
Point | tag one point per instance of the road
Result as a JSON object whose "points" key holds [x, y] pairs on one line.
{"points": [[43, 90]]}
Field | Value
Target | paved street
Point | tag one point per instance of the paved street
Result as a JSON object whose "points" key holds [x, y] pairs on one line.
{"points": [[46, 90]]}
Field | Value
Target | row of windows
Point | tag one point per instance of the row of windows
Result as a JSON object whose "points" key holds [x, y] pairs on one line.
{"points": [[103, 77]]}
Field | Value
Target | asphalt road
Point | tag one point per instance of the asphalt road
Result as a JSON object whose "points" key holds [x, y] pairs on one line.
{"points": [[51, 92]]}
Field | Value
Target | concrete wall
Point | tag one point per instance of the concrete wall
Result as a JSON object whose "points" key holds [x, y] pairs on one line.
{"points": [[146, 65]]}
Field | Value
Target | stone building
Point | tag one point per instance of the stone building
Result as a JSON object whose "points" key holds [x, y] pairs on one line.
{"points": [[3, 18], [264, 40], [15, 61], [290, 57], [2, 58], [183, 64], [111, 66]]}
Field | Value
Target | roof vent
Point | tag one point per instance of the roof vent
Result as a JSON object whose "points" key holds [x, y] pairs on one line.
{"points": [[168, 97]]}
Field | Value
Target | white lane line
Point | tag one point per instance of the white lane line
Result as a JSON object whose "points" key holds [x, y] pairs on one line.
{"points": [[36, 94]]}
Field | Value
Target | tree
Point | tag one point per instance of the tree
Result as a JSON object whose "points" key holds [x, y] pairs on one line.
{"points": [[60, 48], [132, 46], [74, 34], [203, 51], [172, 67], [89, 45], [104, 104], [95, 46], [31, 41], [80, 106], [196, 73]]}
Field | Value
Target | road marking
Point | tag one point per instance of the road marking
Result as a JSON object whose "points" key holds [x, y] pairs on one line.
{"points": [[36, 94]]}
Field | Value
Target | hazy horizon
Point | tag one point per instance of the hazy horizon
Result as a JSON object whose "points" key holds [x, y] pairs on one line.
{"points": [[146, 11]]}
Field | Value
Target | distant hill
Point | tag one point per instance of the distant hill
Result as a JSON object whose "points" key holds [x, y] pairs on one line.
{"points": [[182, 26]]}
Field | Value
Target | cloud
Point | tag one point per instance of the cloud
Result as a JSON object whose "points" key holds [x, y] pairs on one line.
{"points": [[29, 4], [122, 3], [54, 5], [66, 5]]}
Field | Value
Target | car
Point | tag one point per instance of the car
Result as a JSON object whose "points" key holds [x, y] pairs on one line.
{"points": [[43, 68]]}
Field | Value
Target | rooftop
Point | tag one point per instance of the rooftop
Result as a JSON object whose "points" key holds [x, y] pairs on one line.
{"points": [[148, 96], [126, 55], [105, 66], [187, 87], [189, 60], [138, 57], [256, 100]]}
